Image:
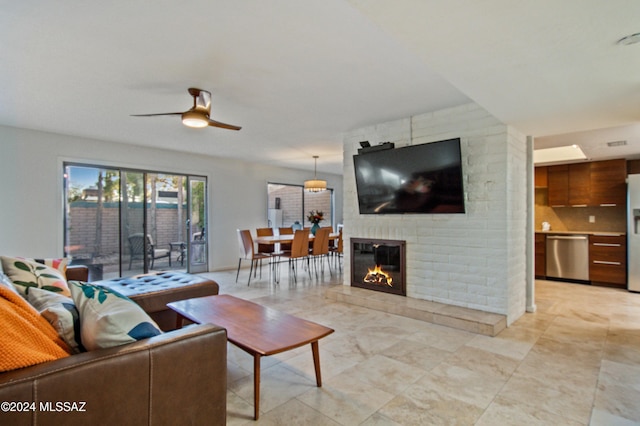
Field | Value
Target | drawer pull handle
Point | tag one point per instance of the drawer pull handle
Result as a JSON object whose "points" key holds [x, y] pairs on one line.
{"points": [[607, 245], [578, 205], [608, 205], [567, 237], [602, 262]]}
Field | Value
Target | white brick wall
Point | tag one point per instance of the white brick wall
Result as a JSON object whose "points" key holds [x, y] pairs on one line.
{"points": [[477, 259]]}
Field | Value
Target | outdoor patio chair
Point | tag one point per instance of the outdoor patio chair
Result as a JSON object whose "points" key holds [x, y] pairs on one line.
{"points": [[137, 250]]}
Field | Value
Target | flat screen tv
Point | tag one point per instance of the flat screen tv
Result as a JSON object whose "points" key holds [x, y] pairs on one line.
{"points": [[424, 178]]}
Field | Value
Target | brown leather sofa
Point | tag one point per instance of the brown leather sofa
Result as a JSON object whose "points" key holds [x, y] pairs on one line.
{"points": [[178, 377]]}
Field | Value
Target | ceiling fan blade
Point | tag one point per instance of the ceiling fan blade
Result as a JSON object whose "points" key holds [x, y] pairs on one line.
{"points": [[153, 115], [215, 123]]}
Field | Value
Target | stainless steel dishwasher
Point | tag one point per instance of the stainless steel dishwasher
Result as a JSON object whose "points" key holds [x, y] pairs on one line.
{"points": [[568, 257]]}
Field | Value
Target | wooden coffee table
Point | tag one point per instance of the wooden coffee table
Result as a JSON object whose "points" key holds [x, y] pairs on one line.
{"points": [[256, 329]]}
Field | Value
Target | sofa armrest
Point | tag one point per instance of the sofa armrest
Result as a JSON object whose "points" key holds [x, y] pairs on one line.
{"points": [[174, 378], [77, 273]]}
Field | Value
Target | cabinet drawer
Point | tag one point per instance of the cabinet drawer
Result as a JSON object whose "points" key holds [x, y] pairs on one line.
{"points": [[609, 254], [608, 260], [607, 249], [608, 274], [603, 239]]}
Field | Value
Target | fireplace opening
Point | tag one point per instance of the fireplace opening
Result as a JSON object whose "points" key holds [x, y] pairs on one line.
{"points": [[378, 265]]}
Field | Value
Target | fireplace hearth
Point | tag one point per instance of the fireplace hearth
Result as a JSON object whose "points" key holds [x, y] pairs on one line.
{"points": [[378, 265]]}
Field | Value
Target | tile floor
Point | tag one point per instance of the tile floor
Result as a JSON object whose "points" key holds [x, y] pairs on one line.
{"points": [[576, 361]]}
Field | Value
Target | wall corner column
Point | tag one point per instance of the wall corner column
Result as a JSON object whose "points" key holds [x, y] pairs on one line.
{"points": [[530, 277]]}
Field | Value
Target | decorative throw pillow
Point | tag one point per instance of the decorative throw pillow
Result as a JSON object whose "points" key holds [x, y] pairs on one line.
{"points": [[61, 313], [6, 282], [108, 318], [26, 338], [59, 264], [26, 274]]}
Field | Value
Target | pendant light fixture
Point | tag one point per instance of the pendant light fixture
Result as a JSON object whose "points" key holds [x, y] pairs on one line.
{"points": [[315, 184]]}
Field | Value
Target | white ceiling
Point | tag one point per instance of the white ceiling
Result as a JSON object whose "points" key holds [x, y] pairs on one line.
{"points": [[295, 74]]}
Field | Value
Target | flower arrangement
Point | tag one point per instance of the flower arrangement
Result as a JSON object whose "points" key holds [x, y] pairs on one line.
{"points": [[315, 216]]}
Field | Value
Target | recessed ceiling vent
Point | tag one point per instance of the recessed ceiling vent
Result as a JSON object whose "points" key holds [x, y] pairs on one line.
{"points": [[617, 143]]}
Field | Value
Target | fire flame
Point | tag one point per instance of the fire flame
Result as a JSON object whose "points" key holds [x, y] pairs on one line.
{"points": [[378, 276]]}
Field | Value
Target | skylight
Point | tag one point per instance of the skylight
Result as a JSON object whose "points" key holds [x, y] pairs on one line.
{"points": [[557, 154]]}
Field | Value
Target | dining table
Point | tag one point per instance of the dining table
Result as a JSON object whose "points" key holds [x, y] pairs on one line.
{"points": [[287, 238]]}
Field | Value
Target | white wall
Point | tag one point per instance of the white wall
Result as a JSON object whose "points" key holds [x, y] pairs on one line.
{"points": [[476, 259], [31, 216]]}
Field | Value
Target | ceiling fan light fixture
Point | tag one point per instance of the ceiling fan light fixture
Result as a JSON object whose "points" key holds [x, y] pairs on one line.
{"points": [[315, 184], [199, 115], [194, 119]]}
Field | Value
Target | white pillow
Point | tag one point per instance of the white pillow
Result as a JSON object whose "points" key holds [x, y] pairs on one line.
{"points": [[61, 313], [108, 318]]}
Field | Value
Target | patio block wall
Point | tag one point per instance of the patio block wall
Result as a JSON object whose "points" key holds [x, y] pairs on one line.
{"points": [[83, 227], [290, 203]]}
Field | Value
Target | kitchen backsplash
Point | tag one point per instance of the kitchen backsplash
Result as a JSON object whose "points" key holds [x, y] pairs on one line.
{"points": [[607, 219]]}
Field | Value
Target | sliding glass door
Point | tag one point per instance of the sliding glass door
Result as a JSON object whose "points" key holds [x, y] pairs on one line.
{"points": [[122, 222], [197, 225]]}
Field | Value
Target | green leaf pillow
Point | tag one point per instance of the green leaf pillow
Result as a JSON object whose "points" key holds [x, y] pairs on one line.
{"points": [[26, 273]]}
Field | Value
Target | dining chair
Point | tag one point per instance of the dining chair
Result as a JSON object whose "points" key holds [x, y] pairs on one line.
{"points": [[247, 252], [299, 250], [320, 249], [265, 248], [285, 231]]}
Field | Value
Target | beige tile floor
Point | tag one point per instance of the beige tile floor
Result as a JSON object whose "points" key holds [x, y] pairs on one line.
{"points": [[576, 361]]}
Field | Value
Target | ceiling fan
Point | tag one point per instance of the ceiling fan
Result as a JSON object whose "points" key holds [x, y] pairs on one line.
{"points": [[198, 115]]}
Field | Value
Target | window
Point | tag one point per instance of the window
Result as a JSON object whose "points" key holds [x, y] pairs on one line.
{"points": [[319, 201], [288, 204]]}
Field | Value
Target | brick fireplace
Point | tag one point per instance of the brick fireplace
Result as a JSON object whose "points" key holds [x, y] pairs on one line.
{"points": [[378, 265], [476, 260]]}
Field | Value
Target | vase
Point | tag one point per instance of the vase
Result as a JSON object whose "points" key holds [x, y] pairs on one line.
{"points": [[314, 228]]}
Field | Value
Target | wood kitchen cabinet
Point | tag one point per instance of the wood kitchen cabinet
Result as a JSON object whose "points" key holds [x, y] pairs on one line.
{"points": [[599, 183], [580, 184], [558, 185], [608, 260], [540, 177], [608, 183], [540, 255], [569, 185]]}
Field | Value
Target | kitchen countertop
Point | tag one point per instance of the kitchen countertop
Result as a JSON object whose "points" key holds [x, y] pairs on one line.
{"points": [[601, 233]]}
